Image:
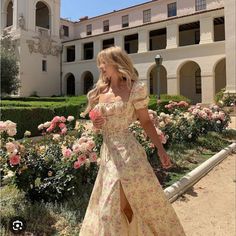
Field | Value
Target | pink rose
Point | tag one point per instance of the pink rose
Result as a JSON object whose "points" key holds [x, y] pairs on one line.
{"points": [[67, 152], [62, 119], [56, 119], [93, 156], [82, 158], [63, 131], [62, 125], [93, 114], [15, 160], [91, 145], [77, 165], [51, 128]]}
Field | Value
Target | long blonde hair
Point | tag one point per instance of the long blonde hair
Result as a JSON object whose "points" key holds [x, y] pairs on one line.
{"points": [[121, 61]]}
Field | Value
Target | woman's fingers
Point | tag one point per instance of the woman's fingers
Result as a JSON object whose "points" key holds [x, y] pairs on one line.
{"points": [[98, 122]]}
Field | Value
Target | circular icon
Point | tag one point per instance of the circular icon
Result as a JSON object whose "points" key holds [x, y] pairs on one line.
{"points": [[17, 225]]}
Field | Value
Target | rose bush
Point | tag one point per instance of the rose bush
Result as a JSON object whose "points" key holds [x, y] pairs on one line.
{"points": [[58, 166]]}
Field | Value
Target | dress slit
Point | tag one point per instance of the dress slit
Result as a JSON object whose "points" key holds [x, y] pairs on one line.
{"points": [[124, 204]]}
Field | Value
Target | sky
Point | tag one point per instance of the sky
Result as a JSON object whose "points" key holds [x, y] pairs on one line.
{"points": [[75, 9]]}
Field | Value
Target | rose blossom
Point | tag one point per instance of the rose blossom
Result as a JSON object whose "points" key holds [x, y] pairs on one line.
{"points": [[56, 137], [77, 165], [62, 125], [93, 156], [11, 132], [64, 130], [63, 119], [93, 114], [47, 124], [41, 126], [82, 158], [67, 152], [15, 160], [56, 119], [70, 118]]}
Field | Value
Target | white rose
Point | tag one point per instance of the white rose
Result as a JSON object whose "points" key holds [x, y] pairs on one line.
{"points": [[27, 133], [162, 124], [40, 126], [47, 124], [11, 132], [70, 118]]}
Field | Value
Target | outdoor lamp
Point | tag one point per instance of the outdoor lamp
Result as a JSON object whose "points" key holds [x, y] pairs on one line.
{"points": [[158, 60]]}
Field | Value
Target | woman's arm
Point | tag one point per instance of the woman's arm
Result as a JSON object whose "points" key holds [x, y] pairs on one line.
{"points": [[150, 130]]}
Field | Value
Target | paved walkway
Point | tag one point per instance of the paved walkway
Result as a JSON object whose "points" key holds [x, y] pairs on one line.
{"points": [[209, 207]]}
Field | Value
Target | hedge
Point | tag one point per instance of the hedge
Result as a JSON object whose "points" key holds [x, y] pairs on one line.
{"points": [[28, 118]]}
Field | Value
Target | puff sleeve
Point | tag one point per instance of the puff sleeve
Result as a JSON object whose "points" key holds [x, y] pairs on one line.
{"points": [[140, 96]]}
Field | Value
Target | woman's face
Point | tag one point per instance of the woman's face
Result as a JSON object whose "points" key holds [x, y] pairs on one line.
{"points": [[108, 70]]}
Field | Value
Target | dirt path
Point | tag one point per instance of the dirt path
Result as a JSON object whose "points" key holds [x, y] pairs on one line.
{"points": [[209, 207]]}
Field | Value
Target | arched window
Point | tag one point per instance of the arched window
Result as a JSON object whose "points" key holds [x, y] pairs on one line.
{"points": [[9, 14], [42, 15]]}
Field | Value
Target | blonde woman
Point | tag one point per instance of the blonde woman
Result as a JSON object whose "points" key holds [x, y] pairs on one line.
{"points": [[127, 198]]}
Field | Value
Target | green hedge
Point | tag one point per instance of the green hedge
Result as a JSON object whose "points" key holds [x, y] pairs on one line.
{"points": [[29, 114]]}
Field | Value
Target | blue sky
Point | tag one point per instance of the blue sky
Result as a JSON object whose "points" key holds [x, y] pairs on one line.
{"points": [[74, 9]]}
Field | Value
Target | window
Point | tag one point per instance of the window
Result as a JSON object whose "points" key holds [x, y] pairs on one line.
{"points": [[198, 83], [44, 65], [197, 37], [66, 30], [172, 10], [105, 25], [200, 5], [147, 16], [125, 21], [89, 29], [70, 51]]}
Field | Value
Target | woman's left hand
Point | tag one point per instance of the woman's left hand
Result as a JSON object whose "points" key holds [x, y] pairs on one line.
{"points": [[165, 159]]}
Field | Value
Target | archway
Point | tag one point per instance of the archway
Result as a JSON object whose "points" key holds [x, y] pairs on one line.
{"points": [[87, 79], [9, 14], [220, 75], [70, 84], [42, 15], [190, 81], [153, 80]]}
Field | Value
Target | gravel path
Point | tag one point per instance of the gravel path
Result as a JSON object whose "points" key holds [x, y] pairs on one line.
{"points": [[208, 208]]}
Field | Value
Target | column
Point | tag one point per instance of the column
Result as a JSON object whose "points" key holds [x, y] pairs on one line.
{"points": [[172, 36], [208, 87], [96, 47], [15, 15], [172, 85], [119, 41], [143, 41], [206, 30], [78, 51], [230, 45]]}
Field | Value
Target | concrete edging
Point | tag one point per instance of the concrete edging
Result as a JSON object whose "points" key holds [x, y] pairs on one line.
{"points": [[175, 190]]}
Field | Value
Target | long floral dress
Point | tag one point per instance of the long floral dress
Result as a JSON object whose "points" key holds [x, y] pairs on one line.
{"points": [[124, 163]]}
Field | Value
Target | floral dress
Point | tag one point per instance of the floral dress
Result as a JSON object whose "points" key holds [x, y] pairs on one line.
{"points": [[124, 163]]}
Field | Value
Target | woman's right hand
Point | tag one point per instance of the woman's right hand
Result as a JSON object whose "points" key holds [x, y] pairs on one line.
{"points": [[98, 122]]}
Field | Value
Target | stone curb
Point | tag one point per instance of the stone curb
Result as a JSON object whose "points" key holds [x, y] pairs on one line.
{"points": [[178, 188]]}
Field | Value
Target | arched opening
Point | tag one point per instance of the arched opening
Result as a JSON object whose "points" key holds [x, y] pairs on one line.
{"points": [[42, 15], [87, 79], [220, 75], [9, 14], [153, 80], [190, 81], [70, 85]]}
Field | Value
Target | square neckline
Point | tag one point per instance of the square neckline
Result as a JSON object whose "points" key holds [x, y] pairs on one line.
{"points": [[121, 101]]}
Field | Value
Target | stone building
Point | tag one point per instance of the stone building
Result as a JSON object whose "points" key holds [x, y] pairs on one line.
{"points": [[196, 39]]}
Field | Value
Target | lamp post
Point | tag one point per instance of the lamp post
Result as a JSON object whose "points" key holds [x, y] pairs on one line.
{"points": [[158, 60]]}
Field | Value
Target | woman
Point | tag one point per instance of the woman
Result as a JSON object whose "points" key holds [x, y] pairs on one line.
{"points": [[127, 198]]}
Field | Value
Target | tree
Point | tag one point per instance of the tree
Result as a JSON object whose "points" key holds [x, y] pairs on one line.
{"points": [[9, 66]]}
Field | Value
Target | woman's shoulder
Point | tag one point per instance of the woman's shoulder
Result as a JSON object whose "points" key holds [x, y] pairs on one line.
{"points": [[138, 86]]}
